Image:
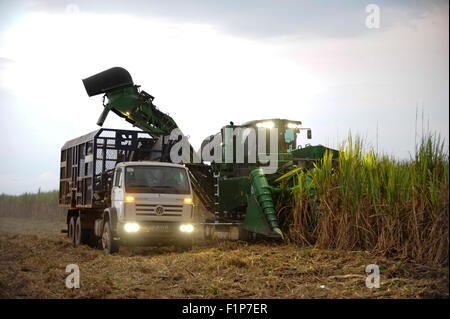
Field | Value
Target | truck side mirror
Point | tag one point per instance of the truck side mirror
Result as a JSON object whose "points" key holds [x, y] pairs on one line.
{"points": [[309, 134]]}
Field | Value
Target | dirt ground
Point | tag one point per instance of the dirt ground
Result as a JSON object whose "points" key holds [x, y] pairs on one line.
{"points": [[34, 256]]}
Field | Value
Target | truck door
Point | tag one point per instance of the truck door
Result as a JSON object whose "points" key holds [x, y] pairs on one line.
{"points": [[117, 191]]}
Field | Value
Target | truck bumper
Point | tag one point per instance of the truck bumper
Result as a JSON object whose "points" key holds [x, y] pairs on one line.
{"points": [[154, 232]]}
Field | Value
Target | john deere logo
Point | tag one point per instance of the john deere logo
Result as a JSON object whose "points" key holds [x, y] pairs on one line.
{"points": [[159, 210]]}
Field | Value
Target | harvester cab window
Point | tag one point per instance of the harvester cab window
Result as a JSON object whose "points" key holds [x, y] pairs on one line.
{"points": [[289, 138]]}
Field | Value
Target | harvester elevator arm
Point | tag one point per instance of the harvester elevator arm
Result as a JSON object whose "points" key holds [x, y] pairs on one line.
{"points": [[126, 100]]}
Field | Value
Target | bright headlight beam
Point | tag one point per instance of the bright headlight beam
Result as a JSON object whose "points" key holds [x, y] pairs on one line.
{"points": [[131, 227], [187, 228], [293, 125], [268, 124]]}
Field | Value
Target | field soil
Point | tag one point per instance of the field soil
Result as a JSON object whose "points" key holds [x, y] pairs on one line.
{"points": [[34, 255]]}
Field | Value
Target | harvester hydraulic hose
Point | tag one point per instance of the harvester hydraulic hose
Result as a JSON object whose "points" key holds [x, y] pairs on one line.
{"points": [[264, 196]]}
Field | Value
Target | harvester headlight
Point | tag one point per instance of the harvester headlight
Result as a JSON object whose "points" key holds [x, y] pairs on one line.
{"points": [[293, 125], [187, 228], [268, 124], [188, 200], [129, 199], [131, 227]]}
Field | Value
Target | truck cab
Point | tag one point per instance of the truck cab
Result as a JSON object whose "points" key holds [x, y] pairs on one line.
{"points": [[151, 202]]}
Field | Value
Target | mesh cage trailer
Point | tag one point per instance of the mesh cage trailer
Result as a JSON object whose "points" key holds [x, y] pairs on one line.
{"points": [[88, 162]]}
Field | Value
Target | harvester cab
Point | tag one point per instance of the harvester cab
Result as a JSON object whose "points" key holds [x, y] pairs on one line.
{"points": [[288, 132], [247, 185]]}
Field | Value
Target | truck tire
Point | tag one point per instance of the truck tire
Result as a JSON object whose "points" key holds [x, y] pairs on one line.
{"points": [[110, 246], [84, 235], [71, 229], [81, 234]]}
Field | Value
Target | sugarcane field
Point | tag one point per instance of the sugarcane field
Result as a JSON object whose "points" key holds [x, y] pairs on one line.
{"points": [[219, 159]]}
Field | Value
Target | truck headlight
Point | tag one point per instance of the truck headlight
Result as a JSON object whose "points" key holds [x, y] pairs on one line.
{"points": [[188, 200], [131, 227], [187, 228], [129, 199]]}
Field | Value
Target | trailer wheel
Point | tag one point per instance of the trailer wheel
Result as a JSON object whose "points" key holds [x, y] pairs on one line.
{"points": [[109, 245], [84, 235], [81, 235], [71, 230]]}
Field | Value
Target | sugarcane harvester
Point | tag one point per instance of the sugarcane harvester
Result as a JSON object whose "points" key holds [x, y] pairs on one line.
{"points": [[241, 193]]}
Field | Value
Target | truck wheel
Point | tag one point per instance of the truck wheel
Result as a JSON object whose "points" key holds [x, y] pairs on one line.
{"points": [[71, 230], [109, 245], [81, 235]]}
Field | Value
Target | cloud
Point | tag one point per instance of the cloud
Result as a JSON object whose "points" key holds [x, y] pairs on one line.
{"points": [[4, 62], [263, 18]]}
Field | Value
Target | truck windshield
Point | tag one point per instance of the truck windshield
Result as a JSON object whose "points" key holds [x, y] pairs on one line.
{"points": [[156, 179]]}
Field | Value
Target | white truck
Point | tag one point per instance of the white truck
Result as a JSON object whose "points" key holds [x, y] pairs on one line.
{"points": [[120, 201]]}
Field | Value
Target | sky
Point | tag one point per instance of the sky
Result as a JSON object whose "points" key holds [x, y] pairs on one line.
{"points": [[208, 63]]}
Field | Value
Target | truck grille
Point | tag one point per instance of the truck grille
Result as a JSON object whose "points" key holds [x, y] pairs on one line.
{"points": [[149, 210]]}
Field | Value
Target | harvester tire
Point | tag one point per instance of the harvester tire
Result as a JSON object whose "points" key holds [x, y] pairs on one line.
{"points": [[109, 245], [71, 229]]}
